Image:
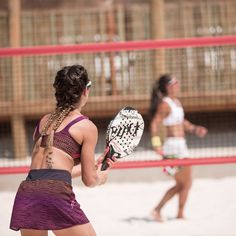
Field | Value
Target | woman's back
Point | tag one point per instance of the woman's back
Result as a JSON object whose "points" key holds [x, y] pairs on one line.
{"points": [[66, 146]]}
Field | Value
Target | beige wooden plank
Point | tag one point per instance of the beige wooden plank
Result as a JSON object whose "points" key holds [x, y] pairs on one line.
{"points": [[111, 31], [102, 77], [158, 32], [17, 121], [108, 105]]}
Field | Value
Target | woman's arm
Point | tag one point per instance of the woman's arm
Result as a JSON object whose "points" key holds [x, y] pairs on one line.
{"points": [[91, 173], [198, 130], [88, 164], [76, 170], [163, 111], [161, 114], [189, 127]]}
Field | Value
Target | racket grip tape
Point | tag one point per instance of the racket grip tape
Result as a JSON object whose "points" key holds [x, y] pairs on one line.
{"points": [[104, 163], [104, 166]]}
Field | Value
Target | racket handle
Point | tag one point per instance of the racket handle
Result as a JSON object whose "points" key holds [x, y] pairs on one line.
{"points": [[104, 166], [104, 163]]}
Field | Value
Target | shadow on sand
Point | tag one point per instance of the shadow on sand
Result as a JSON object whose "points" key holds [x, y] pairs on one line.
{"points": [[148, 219]]}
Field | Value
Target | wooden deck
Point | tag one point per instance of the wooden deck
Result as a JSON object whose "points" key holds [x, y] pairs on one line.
{"points": [[25, 81], [105, 106]]}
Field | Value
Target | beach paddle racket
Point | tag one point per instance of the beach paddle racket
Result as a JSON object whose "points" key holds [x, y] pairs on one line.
{"points": [[123, 134]]}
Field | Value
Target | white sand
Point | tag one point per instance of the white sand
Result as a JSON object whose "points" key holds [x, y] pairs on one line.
{"points": [[122, 209]]}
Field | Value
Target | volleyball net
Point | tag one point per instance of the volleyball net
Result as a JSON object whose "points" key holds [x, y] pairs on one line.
{"points": [[123, 74]]}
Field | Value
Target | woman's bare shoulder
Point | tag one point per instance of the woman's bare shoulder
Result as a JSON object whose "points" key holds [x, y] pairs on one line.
{"points": [[89, 125], [85, 125], [43, 119], [164, 106]]}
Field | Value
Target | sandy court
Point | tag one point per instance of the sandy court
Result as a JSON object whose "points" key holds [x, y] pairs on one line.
{"points": [[122, 206], [122, 209]]}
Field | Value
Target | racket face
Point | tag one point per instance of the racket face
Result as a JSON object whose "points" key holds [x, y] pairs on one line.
{"points": [[124, 132]]}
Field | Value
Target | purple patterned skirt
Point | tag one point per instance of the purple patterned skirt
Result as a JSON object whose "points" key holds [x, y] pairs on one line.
{"points": [[46, 201]]}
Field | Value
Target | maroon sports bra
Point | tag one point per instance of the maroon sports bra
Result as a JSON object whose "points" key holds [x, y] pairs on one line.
{"points": [[63, 140]]}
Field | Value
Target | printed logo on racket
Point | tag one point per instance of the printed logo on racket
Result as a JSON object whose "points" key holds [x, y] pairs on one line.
{"points": [[128, 129]]}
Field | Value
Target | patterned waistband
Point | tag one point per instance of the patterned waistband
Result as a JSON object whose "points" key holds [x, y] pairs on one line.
{"points": [[53, 174]]}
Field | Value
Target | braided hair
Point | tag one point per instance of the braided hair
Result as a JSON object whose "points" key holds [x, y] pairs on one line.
{"points": [[158, 92], [69, 84]]}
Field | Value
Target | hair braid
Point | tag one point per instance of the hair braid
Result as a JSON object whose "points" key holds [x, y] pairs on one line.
{"points": [[56, 119], [49, 122], [158, 92], [62, 115]]}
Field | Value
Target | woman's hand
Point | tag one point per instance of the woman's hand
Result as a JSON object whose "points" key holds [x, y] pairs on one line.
{"points": [[200, 131], [103, 174], [109, 161]]}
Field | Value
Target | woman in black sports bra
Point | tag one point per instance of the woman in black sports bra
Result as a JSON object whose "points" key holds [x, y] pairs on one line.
{"points": [[62, 140]]}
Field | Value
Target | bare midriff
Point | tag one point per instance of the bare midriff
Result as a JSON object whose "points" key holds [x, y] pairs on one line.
{"points": [[58, 160], [175, 131]]}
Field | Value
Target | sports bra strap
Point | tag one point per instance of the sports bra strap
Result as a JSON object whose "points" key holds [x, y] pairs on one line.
{"points": [[37, 128], [36, 133], [67, 127]]}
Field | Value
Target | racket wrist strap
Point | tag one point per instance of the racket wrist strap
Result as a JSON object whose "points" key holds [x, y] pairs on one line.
{"points": [[156, 141]]}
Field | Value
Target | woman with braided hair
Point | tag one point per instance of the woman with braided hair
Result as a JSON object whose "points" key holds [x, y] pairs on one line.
{"points": [[64, 146], [166, 109]]}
